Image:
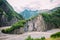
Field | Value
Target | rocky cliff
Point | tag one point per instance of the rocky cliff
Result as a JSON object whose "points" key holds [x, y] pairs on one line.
{"points": [[36, 24], [45, 21]]}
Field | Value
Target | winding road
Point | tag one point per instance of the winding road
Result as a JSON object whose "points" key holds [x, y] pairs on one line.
{"points": [[25, 35]]}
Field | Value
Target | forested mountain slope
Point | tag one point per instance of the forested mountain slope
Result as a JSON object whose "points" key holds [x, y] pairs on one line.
{"points": [[52, 18], [7, 14]]}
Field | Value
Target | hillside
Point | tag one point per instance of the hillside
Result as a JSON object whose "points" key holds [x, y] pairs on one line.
{"points": [[52, 19], [7, 14]]}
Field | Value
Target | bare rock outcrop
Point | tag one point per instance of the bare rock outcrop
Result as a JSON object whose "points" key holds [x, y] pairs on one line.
{"points": [[37, 24]]}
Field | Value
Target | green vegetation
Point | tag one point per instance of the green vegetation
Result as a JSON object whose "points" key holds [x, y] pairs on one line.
{"points": [[29, 38], [8, 14], [53, 39], [56, 35], [32, 18], [14, 26], [19, 24], [53, 17], [7, 30], [1, 13]]}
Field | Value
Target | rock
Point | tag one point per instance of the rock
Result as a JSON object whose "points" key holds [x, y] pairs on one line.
{"points": [[18, 31], [37, 24]]}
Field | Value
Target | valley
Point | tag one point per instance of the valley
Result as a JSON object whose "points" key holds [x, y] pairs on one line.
{"points": [[28, 24]]}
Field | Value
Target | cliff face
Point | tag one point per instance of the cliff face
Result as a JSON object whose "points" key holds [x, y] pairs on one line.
{"points": [[37, 24], [45, 22]]}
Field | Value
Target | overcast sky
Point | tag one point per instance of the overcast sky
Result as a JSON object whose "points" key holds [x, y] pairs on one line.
{"points": [[20, 5]]}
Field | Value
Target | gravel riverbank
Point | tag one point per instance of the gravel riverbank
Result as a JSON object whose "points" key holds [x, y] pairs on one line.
{"points": [[25, 35]]}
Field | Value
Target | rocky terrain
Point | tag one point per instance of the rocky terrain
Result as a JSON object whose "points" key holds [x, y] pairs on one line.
{"points": [[25, 35]]}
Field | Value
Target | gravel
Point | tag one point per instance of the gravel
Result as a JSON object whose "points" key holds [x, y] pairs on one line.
{"points": [[25, 35]]}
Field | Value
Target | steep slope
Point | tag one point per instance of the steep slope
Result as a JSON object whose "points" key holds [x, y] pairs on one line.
{"points": [[9, 16], [52, 19], [45, 21]]}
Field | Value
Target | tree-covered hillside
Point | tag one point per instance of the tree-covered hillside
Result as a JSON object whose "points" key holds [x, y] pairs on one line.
{"points": [[7, 13], [53, 18]]}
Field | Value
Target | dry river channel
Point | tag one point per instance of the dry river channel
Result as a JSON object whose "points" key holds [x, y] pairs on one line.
{"points": [[25, 35]]}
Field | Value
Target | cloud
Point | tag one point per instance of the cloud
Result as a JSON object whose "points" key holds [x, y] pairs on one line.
{"points": [[19, 5]]}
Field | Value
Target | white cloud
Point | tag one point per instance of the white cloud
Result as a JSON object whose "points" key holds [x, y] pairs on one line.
{"points": [[19, 5]]}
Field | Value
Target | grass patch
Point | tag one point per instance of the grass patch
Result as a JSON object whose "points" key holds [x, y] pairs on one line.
{"points": [[53, 39], [30, 38], [56, 35], [14, 26], [42, 38]]}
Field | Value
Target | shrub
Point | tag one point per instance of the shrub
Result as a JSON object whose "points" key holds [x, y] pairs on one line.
{"points": [[3, 30], [18, 24], [29, 38], [22, 21], [42, 38], [14, 26], [7, 30], [55, 35]]}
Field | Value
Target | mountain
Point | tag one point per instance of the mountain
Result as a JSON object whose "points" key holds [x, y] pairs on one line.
{"points": [[27, 13], [7, 14], [55, 9], [7, 8]]}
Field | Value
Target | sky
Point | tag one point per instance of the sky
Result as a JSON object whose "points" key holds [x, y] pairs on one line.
{"points": [[20, 5]]}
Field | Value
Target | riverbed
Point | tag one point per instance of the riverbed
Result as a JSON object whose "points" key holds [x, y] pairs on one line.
{"points": [[33, 34]]}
